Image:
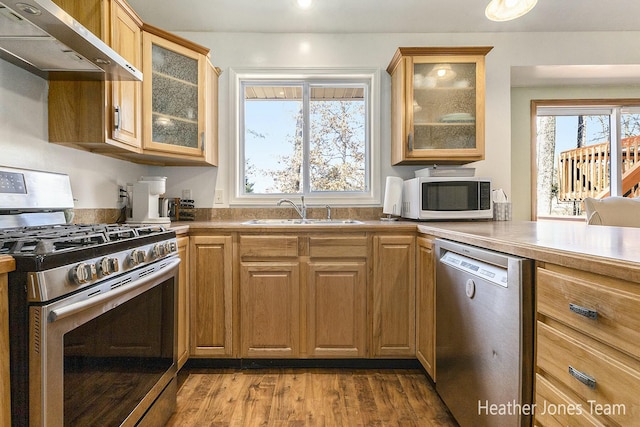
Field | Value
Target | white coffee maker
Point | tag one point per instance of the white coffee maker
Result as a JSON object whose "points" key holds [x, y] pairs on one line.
{"points": [[145, 201]]}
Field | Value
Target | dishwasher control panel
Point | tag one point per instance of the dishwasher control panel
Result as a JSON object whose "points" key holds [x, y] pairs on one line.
{"points": [[490, 272]]}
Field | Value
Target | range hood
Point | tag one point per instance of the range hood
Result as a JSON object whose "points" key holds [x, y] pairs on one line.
{"points": [[40, 37]]}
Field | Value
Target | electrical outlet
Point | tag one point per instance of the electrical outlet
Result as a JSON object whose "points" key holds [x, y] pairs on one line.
{"points": [[219, 197]]}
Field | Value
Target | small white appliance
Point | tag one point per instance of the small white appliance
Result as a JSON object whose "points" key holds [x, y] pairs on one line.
{"points": [[447, 198], [146, 201], [392, 198]]}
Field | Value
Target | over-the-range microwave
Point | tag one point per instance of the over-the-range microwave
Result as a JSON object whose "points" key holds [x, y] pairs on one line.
{"points": [[447, 198]]}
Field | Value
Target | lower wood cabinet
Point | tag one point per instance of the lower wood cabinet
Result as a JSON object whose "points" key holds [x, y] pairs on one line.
{"points": [[336, 295], [211, 296], [270, 309], [587, 349], [306, 295], [183, 301], [394, 262], [426, 305]]}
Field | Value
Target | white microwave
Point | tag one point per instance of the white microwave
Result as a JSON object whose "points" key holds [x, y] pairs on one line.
{"points": [[447, 198]]}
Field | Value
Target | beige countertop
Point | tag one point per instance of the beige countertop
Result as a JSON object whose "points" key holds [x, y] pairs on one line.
{"points": [[613, 251]]}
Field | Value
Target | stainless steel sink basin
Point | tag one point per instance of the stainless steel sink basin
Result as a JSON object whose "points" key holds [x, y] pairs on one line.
{"points": [[301, 221]]}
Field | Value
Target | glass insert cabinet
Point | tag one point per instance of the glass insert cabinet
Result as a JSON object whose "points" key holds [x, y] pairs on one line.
{"points": [[175, 77], [437, 105]]}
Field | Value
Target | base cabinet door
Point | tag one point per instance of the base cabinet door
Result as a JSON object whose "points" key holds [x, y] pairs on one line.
{"points": [[426, 306], [269, 296], [394, 296], [211, 296], [183, 301], [336, 309]]}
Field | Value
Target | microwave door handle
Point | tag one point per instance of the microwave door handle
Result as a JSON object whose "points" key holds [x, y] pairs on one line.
{"points": [[68, 310]]}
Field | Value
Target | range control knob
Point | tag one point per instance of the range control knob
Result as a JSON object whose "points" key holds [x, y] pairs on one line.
{"points": [[158, 250], [108, 265], [170, 247], [83, 273], [136, 257]]}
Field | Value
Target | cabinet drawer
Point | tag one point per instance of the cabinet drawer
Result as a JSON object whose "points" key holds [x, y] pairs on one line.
{"points": [[338, 247], [615, 384], [614, 311], [555, 409], [268, 246]]}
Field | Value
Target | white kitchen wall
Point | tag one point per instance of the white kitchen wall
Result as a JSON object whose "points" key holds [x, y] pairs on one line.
{"points": [[23, 95], [23, 143]]}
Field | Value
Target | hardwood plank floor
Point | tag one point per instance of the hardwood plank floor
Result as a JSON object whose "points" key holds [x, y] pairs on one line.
{"points": [[308, 397]]}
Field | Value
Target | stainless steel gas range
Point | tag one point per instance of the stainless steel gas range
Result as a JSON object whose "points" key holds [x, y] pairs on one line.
{"points": [[92, 311]]}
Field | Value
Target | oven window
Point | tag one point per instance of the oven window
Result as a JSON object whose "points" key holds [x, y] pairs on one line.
{"points": [[450, 196], [113, 361]]}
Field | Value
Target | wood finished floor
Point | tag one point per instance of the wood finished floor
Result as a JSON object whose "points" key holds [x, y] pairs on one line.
{"points": [[308, 397]]}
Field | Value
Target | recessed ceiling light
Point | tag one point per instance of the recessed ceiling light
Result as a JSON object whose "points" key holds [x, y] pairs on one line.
{"points": [[304, 3]]}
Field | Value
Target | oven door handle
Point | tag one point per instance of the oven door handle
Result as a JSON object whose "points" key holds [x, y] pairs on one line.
{"points": [[66, 311]]}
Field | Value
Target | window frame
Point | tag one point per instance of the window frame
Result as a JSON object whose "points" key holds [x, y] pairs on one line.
{"points": [[310, 77], [612, 107]]}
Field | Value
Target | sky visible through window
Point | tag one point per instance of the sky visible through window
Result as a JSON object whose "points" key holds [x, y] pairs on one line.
{"points": [[276, 121]]}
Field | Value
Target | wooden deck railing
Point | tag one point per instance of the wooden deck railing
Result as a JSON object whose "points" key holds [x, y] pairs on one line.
{"points": [[584, 172]]}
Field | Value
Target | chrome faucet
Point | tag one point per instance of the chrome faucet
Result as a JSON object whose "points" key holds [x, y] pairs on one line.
{"points": [[302, 209]]}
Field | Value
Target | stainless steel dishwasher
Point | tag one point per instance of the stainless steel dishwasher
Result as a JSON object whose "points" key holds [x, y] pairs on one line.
{"points": [[484, 335]]}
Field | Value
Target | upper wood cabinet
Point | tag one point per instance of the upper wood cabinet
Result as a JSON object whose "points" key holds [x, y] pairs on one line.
{"points": [[437, 104], [169, 119], [98, 116], [178, 86]]}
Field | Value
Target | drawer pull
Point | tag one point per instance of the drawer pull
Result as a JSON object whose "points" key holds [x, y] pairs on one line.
{"points": [[582, 377], [582, 311]]}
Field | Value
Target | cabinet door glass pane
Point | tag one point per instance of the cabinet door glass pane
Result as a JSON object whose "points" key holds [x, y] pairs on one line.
{"points": [[444, 106], [175, 98]]}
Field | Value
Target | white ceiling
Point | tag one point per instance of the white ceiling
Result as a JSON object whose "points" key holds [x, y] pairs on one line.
{"points": [[383, 16], [409, 16]]}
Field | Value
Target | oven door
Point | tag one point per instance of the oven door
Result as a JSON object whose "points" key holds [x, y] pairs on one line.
{"points": [[102, 356]]}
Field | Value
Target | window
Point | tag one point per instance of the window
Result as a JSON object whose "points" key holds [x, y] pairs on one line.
{"points": [[584, 149], [305, 135]]}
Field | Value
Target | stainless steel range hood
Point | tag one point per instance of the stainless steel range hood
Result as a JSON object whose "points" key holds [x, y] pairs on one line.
{"points": [[40, 37]]}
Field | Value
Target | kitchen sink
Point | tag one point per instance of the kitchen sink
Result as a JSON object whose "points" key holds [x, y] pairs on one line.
{"points": [[301, 221]]}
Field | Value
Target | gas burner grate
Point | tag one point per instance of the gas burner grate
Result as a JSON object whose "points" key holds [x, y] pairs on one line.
{"points": [[42, 240]]}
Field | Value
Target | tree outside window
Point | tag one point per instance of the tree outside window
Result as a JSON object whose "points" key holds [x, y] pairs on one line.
{"points": [[305, 137]]}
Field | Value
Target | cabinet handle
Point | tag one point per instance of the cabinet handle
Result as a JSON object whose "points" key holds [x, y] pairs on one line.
{"points": [[202, 141], [410, 142], [585, 379], [116, 117], [583, 311]]}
